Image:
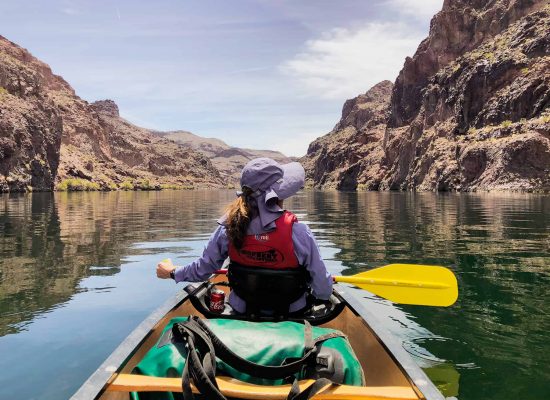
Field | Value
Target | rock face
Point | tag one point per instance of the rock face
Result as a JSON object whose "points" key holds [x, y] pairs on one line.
{"points": [[136, 154], [353, 151], [228, 160], [460, 27], [470, 110], [30, 123], [48, 135]]}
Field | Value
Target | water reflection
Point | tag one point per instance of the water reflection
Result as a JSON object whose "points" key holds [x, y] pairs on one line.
{"points": [[50, 242], [85, 259], [497, 244]]}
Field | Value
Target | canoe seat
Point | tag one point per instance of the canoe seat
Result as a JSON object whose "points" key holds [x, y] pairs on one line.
{"points": [[318, 313]]}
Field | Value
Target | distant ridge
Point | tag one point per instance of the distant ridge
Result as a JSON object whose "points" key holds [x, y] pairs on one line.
{"points": [[227, 159]]}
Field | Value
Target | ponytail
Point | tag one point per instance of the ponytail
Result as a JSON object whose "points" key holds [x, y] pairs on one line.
{"points": [[238, 218]]}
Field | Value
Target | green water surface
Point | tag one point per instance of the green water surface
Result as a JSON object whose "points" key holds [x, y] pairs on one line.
{"points": [[77, 275]]}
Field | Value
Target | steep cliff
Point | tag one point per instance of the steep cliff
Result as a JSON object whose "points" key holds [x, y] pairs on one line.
{"points": [[48, 135], [353, 151], [470, 110], [30, 123]]}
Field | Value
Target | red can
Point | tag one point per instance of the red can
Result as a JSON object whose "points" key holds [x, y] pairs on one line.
{"points": [[217, 300]]}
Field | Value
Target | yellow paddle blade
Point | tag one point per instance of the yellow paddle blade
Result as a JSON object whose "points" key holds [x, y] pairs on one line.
{"points": [[426, 285]]}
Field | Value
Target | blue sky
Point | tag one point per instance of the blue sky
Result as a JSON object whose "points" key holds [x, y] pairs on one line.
{"points": [[254, 73]]}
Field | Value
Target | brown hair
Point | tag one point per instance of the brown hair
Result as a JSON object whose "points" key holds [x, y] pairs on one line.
{"points": [[238, 218]]}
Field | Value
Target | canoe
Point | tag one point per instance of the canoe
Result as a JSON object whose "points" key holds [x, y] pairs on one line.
{"points": [[389, 370]]}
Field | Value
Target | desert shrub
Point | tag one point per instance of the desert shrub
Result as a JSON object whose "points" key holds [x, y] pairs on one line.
{"points": [[126, 185], [77, 185], [143, 184]]}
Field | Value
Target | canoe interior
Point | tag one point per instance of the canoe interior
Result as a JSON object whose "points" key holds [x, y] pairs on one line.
{"points": [[380, 368]]}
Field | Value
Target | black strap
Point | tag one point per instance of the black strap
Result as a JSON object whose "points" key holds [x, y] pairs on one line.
{"points": [[202, 373], [185, 381], [263, 371], [308, 392], [207, 348]]}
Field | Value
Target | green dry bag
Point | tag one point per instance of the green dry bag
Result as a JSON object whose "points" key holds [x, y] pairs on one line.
{"points": [[261, 343]]}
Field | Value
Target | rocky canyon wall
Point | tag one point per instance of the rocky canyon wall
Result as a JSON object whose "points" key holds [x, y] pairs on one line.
{"points": [[49, 135], [469, 111]]}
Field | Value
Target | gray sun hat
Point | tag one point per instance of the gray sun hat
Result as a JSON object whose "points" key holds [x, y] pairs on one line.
{"points": [[276, 180], [268, 180]]}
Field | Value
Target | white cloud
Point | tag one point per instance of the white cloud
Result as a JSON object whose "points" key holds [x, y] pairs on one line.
{"points": [[422, 9], [70, 11], [345, 62]]}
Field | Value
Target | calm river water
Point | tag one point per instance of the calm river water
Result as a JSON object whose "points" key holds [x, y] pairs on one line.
{"points": [[77, 275]]}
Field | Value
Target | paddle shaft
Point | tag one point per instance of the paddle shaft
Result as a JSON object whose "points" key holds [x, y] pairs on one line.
{"points": [[389, 282], [376, 281]]}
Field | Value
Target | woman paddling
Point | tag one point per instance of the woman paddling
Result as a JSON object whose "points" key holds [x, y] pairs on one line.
{"points": [[274, 259]]}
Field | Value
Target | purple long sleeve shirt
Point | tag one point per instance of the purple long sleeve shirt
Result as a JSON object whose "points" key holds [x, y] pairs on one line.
{"points": [[305, 248]]}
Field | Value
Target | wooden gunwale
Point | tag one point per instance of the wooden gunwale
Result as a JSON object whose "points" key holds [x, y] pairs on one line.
{"points": [[401, 371]]}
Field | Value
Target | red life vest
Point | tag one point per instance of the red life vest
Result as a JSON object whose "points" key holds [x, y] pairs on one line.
{"points": [[273, 250]]}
